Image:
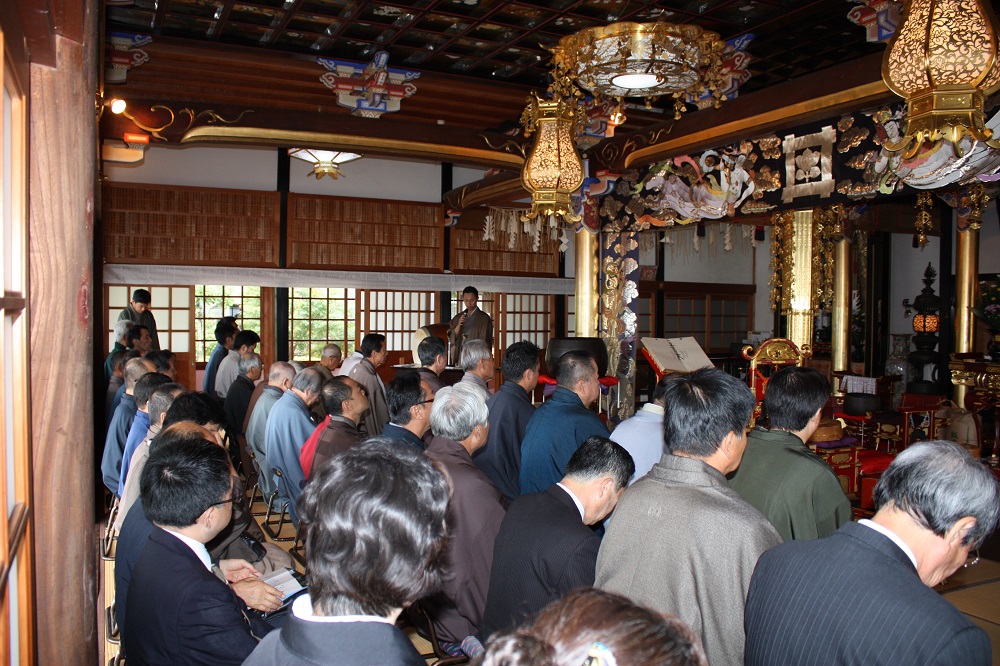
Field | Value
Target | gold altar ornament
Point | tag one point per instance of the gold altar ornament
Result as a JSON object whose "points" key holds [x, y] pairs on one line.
{"points": [[943, 61]]}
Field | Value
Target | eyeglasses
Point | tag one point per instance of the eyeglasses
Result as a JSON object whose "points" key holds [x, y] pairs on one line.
{"points": [[426, 402], [231, 500], [974, 561]]}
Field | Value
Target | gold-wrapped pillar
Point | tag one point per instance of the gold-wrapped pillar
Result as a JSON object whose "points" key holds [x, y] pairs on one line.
{"points": [[966, 275], [801, 317], [841, 324], [586, 284]]}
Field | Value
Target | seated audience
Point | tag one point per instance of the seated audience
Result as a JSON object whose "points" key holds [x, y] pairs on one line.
{"points": [[642, 434], [245, 342], [460, 423], [348, 364], [477, 361], [161, 400], [562, 423], [117, 361], [408, 399], [796, 490], [681, 540], [345, 403], [545, 546], [510, 410], [225, 336], [433, 359], [374, 354], [597, 628], [389, 503], [178, 611], [121, 344], [279, 379], [238, 397], [287, 429], [165, 362], [140, 424], [121, 424], [871, 599]]}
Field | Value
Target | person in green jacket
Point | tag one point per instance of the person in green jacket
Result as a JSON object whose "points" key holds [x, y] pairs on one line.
{"points": [[793, 487]]}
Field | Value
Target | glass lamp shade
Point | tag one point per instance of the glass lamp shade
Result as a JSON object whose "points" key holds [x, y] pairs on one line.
{"points": [[943, 61], [553, 170], [926, 323], [325, 162]]}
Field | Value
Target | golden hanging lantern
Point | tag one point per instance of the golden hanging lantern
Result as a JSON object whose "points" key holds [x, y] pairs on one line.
{"points": [[553, 169], [944, 61]]}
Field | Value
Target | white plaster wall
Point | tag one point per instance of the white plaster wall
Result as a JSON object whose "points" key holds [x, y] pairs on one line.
{"points": [[763, 316], [464, 175], [908, 266], [989, 241], [712, 263], [242, 168]]}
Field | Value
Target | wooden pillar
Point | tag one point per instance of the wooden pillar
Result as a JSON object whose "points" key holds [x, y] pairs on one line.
{"points": [[586, 284], [60, 226], [841, 347], [966, 276]]}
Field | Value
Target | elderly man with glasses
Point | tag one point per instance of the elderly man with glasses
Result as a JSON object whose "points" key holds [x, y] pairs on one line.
{"points": [[863, 595]]}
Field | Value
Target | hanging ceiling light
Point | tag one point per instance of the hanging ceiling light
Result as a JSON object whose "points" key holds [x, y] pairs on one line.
{"points": [[944, 61], [325, 162], [553, 169], [644, 60]]}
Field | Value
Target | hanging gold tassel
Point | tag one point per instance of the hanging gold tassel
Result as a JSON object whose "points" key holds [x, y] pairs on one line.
{"points": [[923, 222]]}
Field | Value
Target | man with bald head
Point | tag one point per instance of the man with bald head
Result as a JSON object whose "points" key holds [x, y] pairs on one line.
{"points": [[279, 379], [121, 423], [409, 399]]}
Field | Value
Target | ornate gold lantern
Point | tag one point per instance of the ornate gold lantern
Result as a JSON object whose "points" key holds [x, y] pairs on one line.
{"points": [[944, 61], [553, 170], [325, 162]]}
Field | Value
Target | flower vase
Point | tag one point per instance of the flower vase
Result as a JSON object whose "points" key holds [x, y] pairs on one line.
{"points": [[899, 364]]}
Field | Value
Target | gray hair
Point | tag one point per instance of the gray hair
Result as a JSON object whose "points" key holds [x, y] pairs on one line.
{"points": [[297, 366], [280, 370], [938, 483], [332, 350], [249, 362], [121, 328], [457, 410], [309, 380], [474, 351]]}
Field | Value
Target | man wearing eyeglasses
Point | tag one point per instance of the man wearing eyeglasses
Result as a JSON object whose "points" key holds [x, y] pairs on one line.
{"points": [[863, 595], [180, 608], [345, 402], [409, 399]]}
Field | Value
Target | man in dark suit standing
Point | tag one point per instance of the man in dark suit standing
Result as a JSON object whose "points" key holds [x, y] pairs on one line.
{"points": [[545, 547], [863, 595], [180, 609], [384, 500]]}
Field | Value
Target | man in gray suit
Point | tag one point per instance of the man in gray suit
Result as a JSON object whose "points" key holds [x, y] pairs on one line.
{"points": [[681, 540], [863, 595]]}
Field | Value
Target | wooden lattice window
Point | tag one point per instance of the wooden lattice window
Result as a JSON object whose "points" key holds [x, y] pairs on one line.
{"points": [[319, 316], [171, 307], [396, 315], [525, 317], [214, 301]]}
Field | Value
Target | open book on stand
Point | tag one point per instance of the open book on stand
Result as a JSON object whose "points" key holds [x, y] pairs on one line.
{"points": [[668, 355]]}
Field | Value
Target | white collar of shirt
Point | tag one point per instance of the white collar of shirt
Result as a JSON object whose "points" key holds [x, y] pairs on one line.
{"points": [[197, 546], [576, 500], [891, 535], [302, 608], [652, 409]]}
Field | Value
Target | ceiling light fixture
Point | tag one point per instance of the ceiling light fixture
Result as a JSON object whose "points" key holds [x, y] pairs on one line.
{"points": [[644, 60], [325, 162], [553, 169], [944, 60]]}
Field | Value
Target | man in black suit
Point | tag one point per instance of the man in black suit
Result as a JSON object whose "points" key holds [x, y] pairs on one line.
{"points": [[375, 543], [863, 595], [179, 611], [545, 547]]}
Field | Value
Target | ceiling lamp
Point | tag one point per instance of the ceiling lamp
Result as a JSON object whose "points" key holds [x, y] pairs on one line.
{"points": [[325, 162], [944, 61], [553, 169], [644, 60]]}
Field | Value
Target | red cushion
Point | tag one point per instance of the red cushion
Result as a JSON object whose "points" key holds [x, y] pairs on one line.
{"points": [[874, 462], [547, 380], [609, 381]]}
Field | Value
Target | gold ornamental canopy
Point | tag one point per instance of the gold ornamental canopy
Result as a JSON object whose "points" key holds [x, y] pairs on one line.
{"points": [[944, 61]]}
